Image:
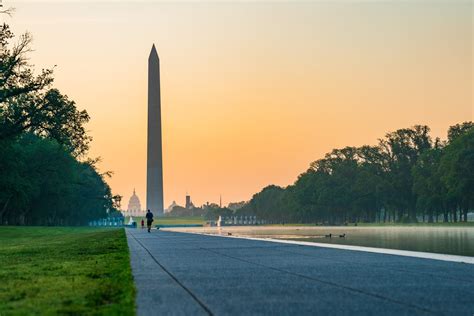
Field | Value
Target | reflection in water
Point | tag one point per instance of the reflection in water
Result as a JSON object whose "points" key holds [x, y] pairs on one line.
{"points": [[457, 241], [447, 240]]}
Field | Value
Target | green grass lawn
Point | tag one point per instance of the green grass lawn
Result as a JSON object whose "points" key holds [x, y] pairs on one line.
{"points": [[65, 270]]}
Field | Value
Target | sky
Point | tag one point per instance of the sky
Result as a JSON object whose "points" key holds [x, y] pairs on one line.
{"points": [[251, 91]]}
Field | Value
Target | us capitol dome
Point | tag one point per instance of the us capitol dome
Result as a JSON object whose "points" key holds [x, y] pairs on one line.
{"points": [[134, 207]]}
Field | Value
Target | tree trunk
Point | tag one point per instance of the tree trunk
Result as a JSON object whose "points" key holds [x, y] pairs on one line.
{"points": [[4, 209]]}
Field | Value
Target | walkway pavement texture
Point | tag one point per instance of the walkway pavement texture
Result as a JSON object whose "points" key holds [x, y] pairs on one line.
{"points": [[190, 274]]}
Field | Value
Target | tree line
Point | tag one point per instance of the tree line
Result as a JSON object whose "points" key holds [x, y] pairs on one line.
{"points": [[209, 211], [406, 177], [45, 176]]}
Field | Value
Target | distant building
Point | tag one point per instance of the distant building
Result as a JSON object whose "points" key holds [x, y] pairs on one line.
{"points": [[134, 203], [170, 208], [134, 207], [189, 205], [236, 205]]}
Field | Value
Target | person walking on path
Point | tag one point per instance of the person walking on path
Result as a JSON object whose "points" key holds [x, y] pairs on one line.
{"points": [[149, 219], [143, 223]]}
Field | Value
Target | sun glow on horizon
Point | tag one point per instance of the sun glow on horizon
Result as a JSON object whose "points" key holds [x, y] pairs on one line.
{"points": [[252, 92]]}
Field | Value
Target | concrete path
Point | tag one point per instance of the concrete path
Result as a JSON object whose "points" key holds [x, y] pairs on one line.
{"points": [[189, 274]]}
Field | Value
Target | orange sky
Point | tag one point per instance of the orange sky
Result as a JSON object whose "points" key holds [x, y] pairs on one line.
{"points": [[252, 92]]}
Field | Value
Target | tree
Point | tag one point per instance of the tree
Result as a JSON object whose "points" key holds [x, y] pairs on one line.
{"points": [[406, 175], [45, 185], [49, 115], [457, 167], [402, 149], [459, 130], [42, 135], [427, 184], [266, 204], [16, 76], [28, 105]]}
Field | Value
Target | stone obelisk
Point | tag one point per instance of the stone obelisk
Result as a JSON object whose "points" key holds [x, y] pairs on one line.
{"points": [[154, 175]]}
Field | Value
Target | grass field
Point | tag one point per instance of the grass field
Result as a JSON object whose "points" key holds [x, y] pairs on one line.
{"points": [[59, 270]]}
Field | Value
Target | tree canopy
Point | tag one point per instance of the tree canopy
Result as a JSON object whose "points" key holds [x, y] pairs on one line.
{"points": [[406, 177], [44, 179]]}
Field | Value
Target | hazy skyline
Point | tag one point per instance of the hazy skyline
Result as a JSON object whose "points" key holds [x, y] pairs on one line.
{"points": [[251, 92]]}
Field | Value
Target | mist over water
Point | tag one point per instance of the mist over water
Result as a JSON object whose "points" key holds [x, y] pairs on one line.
{"points": [[444, 240]]}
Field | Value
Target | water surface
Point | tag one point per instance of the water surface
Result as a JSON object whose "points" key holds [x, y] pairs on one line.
{"points": [[445, 240]]}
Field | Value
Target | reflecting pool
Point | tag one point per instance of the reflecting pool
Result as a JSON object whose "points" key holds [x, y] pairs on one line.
{"points": [[446, 240]]}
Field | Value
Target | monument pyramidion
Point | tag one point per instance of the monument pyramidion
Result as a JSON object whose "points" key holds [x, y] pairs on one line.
{"points": [[154, 176]]}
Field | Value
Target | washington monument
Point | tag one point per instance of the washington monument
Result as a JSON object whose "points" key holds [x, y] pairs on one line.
{"points": [[154, 175]]}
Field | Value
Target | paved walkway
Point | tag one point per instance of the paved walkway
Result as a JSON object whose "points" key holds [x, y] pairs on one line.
{"points": [[188, 274]]}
